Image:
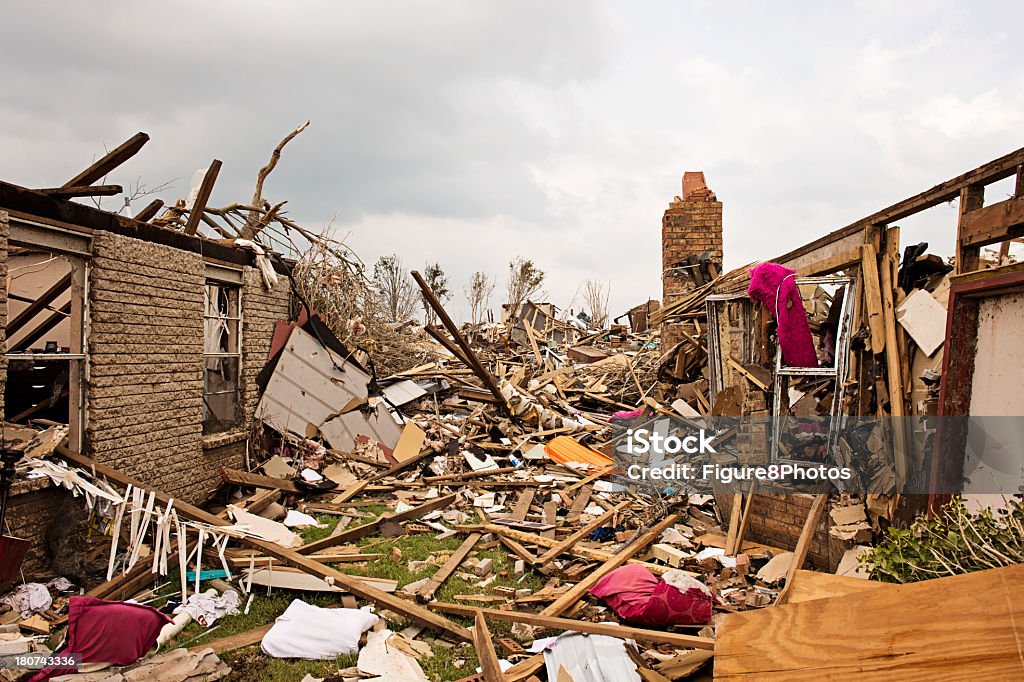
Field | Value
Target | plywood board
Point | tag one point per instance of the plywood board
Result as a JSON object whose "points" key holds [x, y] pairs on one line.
{"points": [[924, 318], [410, 443], [958, 628], [811, 585]]}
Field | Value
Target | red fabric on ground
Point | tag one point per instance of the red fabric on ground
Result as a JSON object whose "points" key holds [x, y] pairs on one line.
{"points": [[774, 285], [108, 632], [638, 596]]}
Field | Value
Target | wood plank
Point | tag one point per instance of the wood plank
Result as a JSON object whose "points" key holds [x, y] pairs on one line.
{"points": [[550, 517], [567, 600], [522, 507], [873, 297], [150, 211], [426, 593], [244, 478], [994, 223], [811, 585], [485, 653], [474, 362], [826, 266], [609, 629], [292, 558], [109, 161], [803, 543], [893, 363], [195, 213], [735, 517], [579, 504], [972, 198], [963, 627], [82, 191], [374, 527], [565, 545]]}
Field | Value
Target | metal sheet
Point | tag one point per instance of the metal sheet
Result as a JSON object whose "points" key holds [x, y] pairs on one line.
{"points": [[311, 385]]}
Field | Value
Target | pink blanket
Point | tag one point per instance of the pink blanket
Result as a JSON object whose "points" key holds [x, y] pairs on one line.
{"points": [[774, 286], [638, 596], [108, 632]]}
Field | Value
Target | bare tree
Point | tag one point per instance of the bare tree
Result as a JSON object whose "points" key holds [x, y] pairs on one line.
{"points": [[478, 295], [394, 287], [595, 297], [437, 280], [524, 281]]}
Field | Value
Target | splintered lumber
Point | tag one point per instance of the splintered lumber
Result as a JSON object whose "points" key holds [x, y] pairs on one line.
{"points": [[873, 297], [963, 627], [803, 543], [373, 527], [195, 212], [567, 600], [426, 593], [150, 211], [349, 583], [735, 517], [474, 362], [109, 161], [609, 629], [541, 541], [567, 544], [485, 652]]}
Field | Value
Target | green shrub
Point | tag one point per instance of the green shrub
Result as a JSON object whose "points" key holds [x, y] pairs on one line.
{"points": [[950, 542]]}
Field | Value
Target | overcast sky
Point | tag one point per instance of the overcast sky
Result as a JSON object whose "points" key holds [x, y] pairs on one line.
{"points": [[467, 132]]}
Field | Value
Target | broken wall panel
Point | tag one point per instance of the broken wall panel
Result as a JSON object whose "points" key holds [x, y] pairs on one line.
{"points": [[313, 385]]}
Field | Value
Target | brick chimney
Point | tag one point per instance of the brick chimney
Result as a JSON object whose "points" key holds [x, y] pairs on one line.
{"points": [[691, 240]]}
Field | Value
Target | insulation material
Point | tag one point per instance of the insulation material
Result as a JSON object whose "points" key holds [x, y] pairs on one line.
{"points": [[312, 384]]}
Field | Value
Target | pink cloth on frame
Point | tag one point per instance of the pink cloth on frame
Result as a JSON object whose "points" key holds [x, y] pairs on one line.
{"points": [[638, 596], [771, 283]]}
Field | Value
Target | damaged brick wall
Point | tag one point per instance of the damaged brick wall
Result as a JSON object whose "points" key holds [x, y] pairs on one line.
{"points": [[691, 225], [777, 520], [145, 379]]}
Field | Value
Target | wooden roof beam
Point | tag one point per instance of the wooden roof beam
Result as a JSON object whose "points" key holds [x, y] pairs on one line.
{"points": [[109, 162]]}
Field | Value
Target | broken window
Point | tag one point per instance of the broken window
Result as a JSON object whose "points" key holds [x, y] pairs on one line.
{"points": [[45, 356], [222, 357], [807, 400]]}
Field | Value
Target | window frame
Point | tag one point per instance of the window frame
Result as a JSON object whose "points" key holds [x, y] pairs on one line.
{"points": [[211, 423]]}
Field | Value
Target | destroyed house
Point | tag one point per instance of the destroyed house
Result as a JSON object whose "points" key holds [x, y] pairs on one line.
{"points": [[145, 341], [896, 332]]}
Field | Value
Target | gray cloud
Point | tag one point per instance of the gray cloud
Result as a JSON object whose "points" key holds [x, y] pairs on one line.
{"points": [[467, 132]]}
